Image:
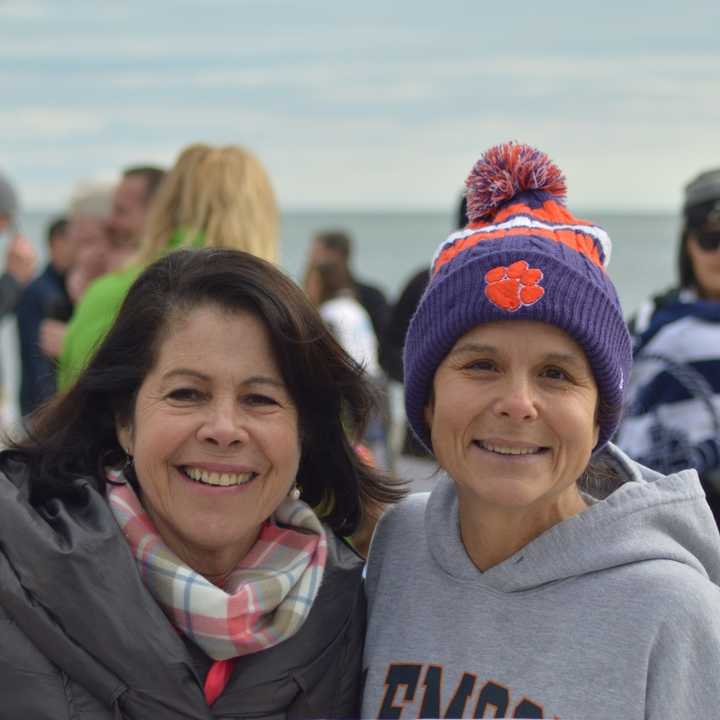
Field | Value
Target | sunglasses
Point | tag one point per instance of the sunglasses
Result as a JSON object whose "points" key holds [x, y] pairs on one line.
{"points": [[708, 240]]}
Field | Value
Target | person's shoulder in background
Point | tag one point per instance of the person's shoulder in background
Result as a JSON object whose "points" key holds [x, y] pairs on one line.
{"points": [[373, 299], [391, 345]]}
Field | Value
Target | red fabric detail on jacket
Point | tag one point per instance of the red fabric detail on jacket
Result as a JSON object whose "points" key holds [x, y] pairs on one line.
{"points": [[217, 678]]}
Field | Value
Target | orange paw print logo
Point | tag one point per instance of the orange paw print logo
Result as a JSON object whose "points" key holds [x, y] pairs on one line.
{"points": [[514, 286]]}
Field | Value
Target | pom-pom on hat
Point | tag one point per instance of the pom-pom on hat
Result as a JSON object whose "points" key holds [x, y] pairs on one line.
{"points": [[522, 256]]}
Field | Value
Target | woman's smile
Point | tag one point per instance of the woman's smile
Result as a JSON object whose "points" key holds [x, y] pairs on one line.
{"points": [[218, 479], [510, 449]]}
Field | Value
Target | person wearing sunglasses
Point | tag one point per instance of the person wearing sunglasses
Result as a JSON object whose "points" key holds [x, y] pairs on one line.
{"points": [[672, 418]]}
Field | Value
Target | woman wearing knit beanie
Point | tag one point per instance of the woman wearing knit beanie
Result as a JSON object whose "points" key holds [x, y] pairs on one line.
{"points": [[547, 574]]}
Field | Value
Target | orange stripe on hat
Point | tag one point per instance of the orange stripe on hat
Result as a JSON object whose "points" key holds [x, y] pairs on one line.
{"points": [[577, 241]]}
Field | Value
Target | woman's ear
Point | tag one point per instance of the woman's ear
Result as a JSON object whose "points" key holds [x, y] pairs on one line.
{"points": [[596, 427], [124, 436]]}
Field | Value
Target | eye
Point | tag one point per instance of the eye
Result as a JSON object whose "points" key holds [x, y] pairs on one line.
{"points": [[481, 364], [258, 400], [184, 394], [553, 372]]}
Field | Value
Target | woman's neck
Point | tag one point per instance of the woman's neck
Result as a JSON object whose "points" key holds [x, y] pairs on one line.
{"points": [[214, 565], [491, 535]]}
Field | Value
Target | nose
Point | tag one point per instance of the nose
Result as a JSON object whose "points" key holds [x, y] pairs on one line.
{"points": [[223, 426], [516, 400]]}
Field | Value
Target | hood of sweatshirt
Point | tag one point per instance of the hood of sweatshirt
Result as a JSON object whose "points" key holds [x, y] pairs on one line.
{"points": [[644, 516]]}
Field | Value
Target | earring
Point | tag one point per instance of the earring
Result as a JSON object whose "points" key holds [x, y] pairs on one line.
{"points": [[128, 462], [294, 493]]}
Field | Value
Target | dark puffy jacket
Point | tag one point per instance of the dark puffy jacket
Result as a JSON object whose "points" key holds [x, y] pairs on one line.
{"points": [[81, 637]]}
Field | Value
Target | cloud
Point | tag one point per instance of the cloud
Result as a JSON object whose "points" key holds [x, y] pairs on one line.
{"points": [[24, 10], [315, 161], [31, 122], [379, 103]]}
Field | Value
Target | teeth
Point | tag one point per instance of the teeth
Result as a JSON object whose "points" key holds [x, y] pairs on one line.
{"points": [[220, 479], [502, 450]]}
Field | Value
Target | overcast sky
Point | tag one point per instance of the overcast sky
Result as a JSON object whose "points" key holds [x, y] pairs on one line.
{"points": [[371, 104]]}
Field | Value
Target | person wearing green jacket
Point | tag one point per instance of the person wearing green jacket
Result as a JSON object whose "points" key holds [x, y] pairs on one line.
{"points": [[212, 194]]}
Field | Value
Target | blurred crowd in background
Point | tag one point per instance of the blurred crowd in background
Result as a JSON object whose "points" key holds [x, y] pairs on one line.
{"points": [[109, 232]]}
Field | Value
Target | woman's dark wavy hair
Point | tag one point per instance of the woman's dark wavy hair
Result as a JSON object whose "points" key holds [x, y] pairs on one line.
{"points": [[75, 434]]}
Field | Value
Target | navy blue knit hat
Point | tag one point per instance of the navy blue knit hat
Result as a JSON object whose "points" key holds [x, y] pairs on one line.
{"points": [[522, 256]]}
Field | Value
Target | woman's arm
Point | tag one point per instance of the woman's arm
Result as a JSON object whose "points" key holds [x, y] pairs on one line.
{"points": [[30, 685]]}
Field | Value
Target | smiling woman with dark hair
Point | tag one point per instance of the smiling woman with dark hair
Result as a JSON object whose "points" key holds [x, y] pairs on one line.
{"points": [[171, 531], [547, 574]]}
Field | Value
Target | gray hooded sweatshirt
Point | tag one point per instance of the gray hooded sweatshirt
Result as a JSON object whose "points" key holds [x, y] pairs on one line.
{"points": [[613, 613]]}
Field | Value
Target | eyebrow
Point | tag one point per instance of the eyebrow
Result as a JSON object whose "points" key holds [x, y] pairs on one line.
{"points": [[264, 380], [569, 358], [473, 348], [252, 380]]}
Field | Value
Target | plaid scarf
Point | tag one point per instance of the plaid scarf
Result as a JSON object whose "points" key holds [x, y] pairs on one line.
{"points": [[266, 598]]}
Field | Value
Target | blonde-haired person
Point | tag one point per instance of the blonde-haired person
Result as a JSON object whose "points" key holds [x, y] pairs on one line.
{"points": [[212, 197]]}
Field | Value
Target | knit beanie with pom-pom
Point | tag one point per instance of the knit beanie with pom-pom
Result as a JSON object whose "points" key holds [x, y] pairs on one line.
{"points": [[522, 256]]}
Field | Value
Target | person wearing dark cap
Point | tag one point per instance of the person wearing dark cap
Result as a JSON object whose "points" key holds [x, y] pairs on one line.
{"points": [[672, 419], [547, 574]]}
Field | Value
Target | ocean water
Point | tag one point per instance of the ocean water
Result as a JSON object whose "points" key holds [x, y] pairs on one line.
{"points": [[389, 247]]}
